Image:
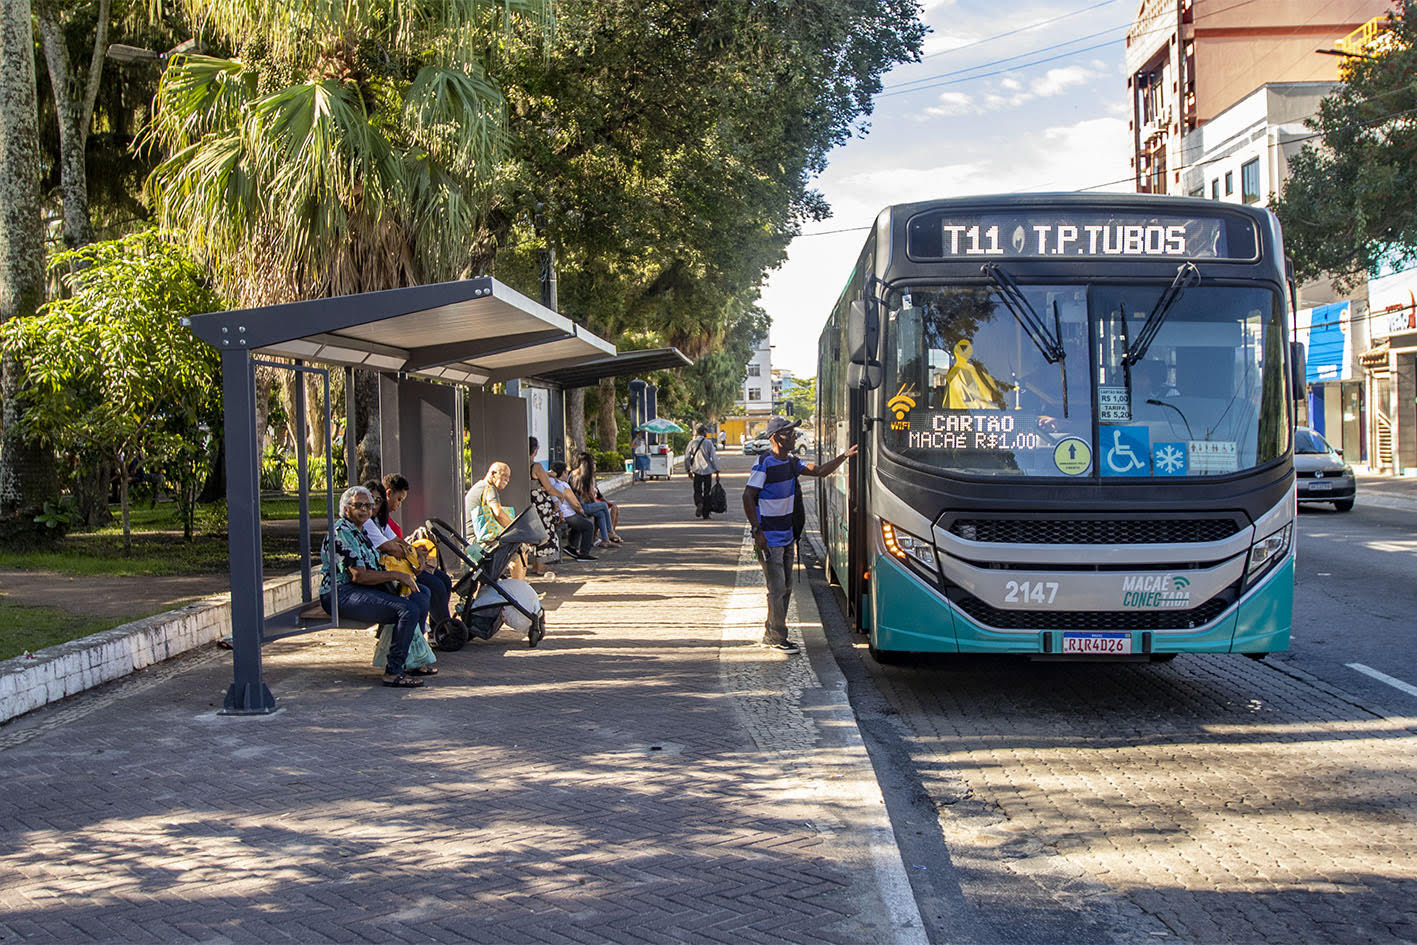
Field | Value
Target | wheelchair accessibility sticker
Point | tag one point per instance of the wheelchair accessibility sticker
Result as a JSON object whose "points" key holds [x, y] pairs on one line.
{"points": [[1126, 451]]}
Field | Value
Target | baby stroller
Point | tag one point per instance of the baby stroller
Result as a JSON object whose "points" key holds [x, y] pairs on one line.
{"points": [[486, 595]]}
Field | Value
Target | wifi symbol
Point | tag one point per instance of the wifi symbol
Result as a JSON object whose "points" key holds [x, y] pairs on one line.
{"points": [[900, 405], [1179, 582]]}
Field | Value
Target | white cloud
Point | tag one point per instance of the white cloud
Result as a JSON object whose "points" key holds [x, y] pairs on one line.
{"points": [[1089, 152], [952, 103], [1057, 81], [1010, 83]]}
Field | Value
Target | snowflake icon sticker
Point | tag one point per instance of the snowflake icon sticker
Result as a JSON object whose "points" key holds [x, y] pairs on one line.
{"points": [[1168, 459]]}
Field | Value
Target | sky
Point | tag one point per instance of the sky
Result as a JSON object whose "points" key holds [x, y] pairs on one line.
{"points": [[983, 113]]}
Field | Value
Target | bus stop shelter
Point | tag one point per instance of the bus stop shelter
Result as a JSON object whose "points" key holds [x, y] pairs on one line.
{"points": [[431, 345]]}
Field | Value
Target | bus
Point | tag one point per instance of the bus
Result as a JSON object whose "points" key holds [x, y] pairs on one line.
{"points": [[1075, 415]]}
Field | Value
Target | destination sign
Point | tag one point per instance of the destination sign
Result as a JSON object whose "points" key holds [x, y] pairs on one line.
{"points": [[1061, 233]]}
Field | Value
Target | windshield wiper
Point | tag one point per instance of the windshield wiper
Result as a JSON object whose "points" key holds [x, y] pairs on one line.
{"points": [[1049, 345], [1187, 275]]}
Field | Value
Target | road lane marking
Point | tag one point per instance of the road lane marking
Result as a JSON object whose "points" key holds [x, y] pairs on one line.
{"points": [[1384, 678]]}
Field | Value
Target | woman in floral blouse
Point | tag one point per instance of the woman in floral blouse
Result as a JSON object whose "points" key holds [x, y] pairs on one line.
{"points": [[353, 570]]}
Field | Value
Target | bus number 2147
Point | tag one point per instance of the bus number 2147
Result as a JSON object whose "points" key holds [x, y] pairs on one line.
{"points": [[1026, 592]]}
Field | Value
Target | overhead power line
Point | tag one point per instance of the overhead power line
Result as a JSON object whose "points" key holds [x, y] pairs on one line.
{"points": [[1018, 30]]}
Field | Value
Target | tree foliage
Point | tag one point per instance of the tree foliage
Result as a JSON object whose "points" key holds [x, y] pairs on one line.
{"points": [[1350, 201], [111, 371], [337, 147], [667, 151]]}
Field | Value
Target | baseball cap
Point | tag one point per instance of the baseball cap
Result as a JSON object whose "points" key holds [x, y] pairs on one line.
{"points": [[777, 424]]}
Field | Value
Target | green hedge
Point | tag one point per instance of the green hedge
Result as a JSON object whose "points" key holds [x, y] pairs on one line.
{"points": [[608, 462]]}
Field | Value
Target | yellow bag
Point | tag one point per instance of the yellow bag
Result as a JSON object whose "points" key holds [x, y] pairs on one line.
{"points": [[428, 547], [408, 565]]}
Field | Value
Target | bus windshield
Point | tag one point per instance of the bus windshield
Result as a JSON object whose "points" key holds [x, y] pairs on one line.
{"points": [[972, 390]]}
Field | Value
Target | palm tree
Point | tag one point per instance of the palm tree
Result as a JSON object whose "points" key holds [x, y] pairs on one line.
{"points": [[342, 146], [25, 467]]}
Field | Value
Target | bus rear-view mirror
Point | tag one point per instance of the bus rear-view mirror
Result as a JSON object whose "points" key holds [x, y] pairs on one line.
{"points": [[1298, 369], [863, 335]]}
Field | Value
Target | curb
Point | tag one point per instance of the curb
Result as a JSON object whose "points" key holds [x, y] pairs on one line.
{"points": [[1386, 502], [837, 771], [869, 812], [66, 669]]}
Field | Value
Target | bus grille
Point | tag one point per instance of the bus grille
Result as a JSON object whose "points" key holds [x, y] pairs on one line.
{"points": [[1075, 531], [1091, 619]]}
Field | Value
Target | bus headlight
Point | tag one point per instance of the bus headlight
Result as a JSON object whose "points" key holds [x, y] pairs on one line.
{"points": [[1267, 551], [907, 547]]}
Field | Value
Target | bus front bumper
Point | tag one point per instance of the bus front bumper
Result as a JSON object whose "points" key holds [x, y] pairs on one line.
{"points": [[907, 615]]}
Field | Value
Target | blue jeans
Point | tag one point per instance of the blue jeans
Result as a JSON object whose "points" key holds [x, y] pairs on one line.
{"points": [[440, 588], [599, 512], [376, 606]]}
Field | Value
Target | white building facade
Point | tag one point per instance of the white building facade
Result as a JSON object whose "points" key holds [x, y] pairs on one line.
{"points": [[754, 404]]}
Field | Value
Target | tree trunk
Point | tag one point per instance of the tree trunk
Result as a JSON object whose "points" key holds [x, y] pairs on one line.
{"points": [[609, 430], [91, 479], [74, 114], [366, 409], [125, 476], [575, 422], [266, 379], [26, 469], [315, 414]]}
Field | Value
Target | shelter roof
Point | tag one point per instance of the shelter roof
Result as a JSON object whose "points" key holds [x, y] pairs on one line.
{"points": [[473, 331], [626, 362]]}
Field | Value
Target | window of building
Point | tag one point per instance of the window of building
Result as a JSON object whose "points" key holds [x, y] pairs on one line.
{"points": [[755, 370], [1198, 192], [755, 393], [1215, 189], [1229, 183], [1250, 181]]}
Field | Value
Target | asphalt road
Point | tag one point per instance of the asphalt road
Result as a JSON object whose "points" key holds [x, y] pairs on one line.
{"points": [[1355, 601], [1210, 799]]}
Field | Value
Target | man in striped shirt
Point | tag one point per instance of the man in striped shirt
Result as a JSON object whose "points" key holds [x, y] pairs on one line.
{"points": [[773, 504]]}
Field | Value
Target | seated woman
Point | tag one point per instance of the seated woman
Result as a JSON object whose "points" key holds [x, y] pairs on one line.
{"points": [[582, 528], [582, 480], [352, 575], [430, 577], [545, 497]]}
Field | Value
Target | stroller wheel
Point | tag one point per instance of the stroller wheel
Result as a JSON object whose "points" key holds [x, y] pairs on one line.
{"points": [[537, 631], [450, 634]]}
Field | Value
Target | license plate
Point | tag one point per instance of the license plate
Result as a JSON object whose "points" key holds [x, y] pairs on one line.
{"points": [[1110, 644], [1320, 487]]}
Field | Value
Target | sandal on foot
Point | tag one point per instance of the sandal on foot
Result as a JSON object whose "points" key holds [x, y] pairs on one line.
{"points": [[422, 671], [401, 681]]}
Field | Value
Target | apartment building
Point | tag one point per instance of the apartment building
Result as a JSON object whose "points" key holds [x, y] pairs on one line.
{"points": [[1190, 60], [754, 405]]}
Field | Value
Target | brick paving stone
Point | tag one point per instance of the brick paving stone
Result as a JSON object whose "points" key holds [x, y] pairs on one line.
{"points": [[645, 774]]}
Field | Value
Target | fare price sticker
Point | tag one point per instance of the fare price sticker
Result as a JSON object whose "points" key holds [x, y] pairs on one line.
{"points": [[1114, 405]]}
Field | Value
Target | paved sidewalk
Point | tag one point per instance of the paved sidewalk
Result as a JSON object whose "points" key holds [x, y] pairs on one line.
{"points": [[647, 774], [1396, 492]]}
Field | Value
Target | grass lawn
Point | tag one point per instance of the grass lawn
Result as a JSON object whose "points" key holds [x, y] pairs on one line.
{"points": [[33, 628], [158, 547]]}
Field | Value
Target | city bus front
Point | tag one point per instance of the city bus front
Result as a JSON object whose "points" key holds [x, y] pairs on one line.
{"points": [[1081, 455]]}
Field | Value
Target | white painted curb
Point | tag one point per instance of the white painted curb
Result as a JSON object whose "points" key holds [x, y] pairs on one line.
{"points": [[55, 672]]}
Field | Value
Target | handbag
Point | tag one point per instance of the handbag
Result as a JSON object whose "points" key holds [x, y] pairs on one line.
{"points": [[718, 499], [419, 652]]}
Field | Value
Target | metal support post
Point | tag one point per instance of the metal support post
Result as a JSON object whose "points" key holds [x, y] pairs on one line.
{"points": [[351, 441], [302, 466], [248, 694]]}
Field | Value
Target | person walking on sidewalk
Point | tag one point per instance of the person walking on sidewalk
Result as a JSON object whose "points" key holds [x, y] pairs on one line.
{"points": [[701, 462], [773, 504]]}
